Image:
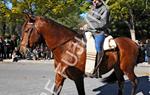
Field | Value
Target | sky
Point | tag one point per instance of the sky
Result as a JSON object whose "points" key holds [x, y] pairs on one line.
{"points": [[8, 4]]}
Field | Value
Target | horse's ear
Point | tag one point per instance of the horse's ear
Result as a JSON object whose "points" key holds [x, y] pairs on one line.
{"points": [[29, 17]]}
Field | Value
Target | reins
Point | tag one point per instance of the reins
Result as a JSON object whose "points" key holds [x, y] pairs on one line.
{"points": [[63, 43], [60, 44]]}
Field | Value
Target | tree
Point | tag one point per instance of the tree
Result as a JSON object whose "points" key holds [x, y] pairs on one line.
{"points": [[133, 13], [65, 12], [130, 12]]}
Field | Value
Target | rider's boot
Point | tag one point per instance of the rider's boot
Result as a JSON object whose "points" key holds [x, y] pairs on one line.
{"points": [[98, 61]]}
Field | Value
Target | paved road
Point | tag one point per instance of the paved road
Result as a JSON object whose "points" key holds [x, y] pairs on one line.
{"points": [[28, 78]]}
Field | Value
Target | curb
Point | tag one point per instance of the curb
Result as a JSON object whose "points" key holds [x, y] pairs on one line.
{"points": [[28, 61], [51, 61]]}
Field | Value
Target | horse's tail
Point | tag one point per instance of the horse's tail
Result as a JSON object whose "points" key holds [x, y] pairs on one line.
{"points": [[111, 78]]}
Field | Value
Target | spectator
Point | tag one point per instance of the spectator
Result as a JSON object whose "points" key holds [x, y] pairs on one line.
{"points": [[141, 52], [47, 53], [1, 48], [15, 55], [7, 46], [148, 50]]}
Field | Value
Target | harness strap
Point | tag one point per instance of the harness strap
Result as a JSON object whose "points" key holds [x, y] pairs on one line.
{"points": [[29, 33]]}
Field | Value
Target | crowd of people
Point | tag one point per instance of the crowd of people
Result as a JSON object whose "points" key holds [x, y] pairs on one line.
{"points": [[7, 45], [9, 49], [40, 52], [145, 48]]}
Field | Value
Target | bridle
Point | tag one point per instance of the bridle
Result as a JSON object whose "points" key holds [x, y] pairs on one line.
{"points": [[27, 45], [29, 34]]}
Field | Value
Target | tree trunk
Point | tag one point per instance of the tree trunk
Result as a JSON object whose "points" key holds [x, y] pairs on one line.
{"points": [[132, 27], [132, 32]]}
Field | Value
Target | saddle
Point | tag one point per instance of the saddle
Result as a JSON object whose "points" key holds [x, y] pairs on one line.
{"points": [[109, 43]]}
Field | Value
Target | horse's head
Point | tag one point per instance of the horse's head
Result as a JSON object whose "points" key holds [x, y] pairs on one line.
{"points": [[30, 36], [35, 28]]}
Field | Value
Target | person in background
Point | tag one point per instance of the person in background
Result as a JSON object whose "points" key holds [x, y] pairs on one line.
{"points": [[1, 48], [148, 50]]}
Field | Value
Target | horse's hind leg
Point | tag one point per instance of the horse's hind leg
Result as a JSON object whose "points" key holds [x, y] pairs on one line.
{"points": [[132, 77], [120, 78], [80, 85]]}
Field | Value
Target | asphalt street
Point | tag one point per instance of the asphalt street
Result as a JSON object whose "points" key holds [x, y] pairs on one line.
{"points": [[37, 77]]}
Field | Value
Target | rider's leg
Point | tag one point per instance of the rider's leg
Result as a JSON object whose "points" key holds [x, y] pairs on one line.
{"points": [[99, 39]]}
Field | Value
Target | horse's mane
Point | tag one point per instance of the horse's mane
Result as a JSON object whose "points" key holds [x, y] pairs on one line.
{"points": [[53, 22], [24, 24], [48, 20]]}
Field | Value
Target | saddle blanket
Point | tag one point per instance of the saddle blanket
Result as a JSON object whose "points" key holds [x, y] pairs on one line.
{"points": [[109, 43]]}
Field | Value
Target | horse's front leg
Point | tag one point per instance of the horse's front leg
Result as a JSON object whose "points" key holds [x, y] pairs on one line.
{"points": [[79, 82], [59, 80]]}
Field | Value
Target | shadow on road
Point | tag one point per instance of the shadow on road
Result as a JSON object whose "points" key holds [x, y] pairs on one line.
{"points": [[111, 89]]}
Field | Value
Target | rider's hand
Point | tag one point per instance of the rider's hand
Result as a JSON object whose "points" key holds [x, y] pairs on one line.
{"points": [[81, 28], [84, 27]]}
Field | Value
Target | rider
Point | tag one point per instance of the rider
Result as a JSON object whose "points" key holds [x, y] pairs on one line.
{"points": [[97, 21]]}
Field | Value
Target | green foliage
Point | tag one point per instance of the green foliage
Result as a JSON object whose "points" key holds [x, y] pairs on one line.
{"points": [[123, 10], [67, 13]]}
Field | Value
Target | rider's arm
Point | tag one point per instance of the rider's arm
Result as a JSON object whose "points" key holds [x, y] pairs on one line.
{"points": [[103, 20]]}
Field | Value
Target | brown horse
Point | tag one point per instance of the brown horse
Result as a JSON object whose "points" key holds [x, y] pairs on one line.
{"points": [[70, 53]]}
